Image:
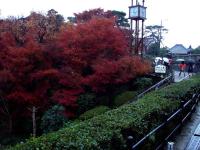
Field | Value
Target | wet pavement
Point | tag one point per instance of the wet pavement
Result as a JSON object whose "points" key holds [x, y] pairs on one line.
{"points": [[178, 78], [186, 139]]}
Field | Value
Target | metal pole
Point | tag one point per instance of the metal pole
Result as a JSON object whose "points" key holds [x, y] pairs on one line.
{"points": [[136, 37], [131, 42], [142, 49], [131, 38]]}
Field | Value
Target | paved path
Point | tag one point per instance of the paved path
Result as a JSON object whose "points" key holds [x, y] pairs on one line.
{"points": [[183, 140], [178, 78], [187, 140]]}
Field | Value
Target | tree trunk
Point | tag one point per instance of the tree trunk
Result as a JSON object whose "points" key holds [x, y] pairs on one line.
{"points": [[10, 125], [34, 121]]}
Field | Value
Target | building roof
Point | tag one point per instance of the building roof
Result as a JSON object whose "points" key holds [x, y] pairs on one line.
{"points": [[179, 49]]}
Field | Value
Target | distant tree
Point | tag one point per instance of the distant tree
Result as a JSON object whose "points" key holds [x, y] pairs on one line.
{"points": [[196, 50], [44, 27], [18, 28], [72, 19], [154, 37], [55, 20], [120, 18], [38, 26], [164, 51], [93, 13], [155, 33], [153, 49], [100, 13]]}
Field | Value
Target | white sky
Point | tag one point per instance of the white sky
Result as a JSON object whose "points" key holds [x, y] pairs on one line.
{"points": [[181, 17]]}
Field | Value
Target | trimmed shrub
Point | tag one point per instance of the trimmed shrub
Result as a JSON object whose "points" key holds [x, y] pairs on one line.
{"points": [[53, 119], [124, 98], [109, 130], [86, 102], [94, 112], [143, 83]]}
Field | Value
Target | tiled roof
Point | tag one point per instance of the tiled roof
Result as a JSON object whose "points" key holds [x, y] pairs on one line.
{"points": [[179, 49]]}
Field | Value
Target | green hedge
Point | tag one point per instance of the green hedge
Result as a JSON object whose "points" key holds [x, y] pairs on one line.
{"points": [[94, 112], [143, 83], [124, 97], [110, 130]]}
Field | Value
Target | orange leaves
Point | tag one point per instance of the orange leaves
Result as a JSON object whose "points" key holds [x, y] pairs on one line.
{"points": [[66, 97], [116, 72], [98, 38], [22, 97], [45, 74], [136, 65]]}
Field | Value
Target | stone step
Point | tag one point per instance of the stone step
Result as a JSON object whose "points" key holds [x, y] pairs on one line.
{"points": [[197, 131]]}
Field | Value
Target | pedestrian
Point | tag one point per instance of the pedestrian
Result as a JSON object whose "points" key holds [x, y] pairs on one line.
{"points": [[182, 67], [198, 66], [190, 68]]}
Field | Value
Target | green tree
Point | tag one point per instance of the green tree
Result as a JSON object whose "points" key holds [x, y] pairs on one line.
{"points": [[120, 18], [163, 51], [153, 49], [196, 50], [154, 37], [156, 32], [71, 19], [53, 119]]}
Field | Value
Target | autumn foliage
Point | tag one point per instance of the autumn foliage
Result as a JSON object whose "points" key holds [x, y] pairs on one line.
{"points": [[45, 61]]}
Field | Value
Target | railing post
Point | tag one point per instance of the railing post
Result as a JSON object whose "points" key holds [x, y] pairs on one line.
{"points": [[198, 97], [170, 146], [194, 99], [130, 141], [182, 111], [157, 87]]}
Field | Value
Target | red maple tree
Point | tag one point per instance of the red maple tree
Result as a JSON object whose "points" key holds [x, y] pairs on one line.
{"points": [[44, 61]]}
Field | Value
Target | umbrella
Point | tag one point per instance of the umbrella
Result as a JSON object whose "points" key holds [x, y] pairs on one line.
{"points": [[191, 61], [180, 59], [157, 59], [165, 59]]}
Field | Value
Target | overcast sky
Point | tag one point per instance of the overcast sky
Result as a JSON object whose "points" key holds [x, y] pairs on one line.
{"points": [[181, 17]]}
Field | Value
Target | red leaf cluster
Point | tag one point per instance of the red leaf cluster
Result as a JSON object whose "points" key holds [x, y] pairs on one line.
{"points": [[116, 72], [91, 14]]}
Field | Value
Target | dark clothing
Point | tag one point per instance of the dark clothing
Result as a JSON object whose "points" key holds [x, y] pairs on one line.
{"points": [[190, 68]]}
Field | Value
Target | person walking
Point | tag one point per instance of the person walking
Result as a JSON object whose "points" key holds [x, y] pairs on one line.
{"points": [[182, 67], [190, 68]]}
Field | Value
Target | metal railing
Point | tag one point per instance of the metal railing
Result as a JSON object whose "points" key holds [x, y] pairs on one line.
{"points": [[185, 110], [156, 86]]}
